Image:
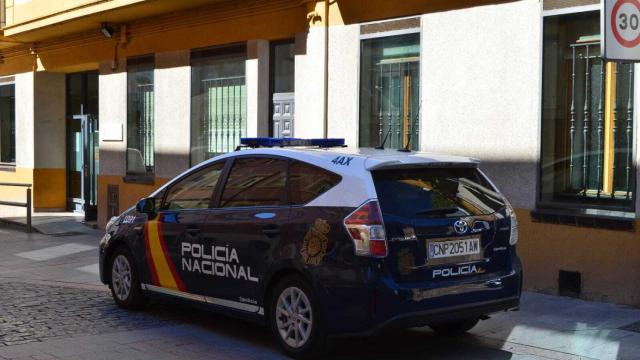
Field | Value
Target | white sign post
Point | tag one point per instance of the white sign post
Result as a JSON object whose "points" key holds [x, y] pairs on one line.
{"points": [[620, 28]]}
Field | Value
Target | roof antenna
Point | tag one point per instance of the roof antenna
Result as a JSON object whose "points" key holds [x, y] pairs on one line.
{"points": [[381, 146], [410, 135]]}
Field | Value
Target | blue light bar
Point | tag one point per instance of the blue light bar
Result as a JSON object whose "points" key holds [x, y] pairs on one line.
{"points": [[283, 142]]}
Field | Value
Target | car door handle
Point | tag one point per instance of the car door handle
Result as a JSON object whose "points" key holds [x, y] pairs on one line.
{"points": [[193, 231], [271, 230]]}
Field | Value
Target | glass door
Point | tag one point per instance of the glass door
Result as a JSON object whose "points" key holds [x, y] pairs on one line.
{"points": [[84, 164], [82, 143]]}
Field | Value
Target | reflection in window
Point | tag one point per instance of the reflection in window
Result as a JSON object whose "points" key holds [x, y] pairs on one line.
{"points": [[389, 91], [7, 124], [255, 182], [140, 138], [218, 102], [307, 182], [436, 192], [587, 123], [195, 191]]}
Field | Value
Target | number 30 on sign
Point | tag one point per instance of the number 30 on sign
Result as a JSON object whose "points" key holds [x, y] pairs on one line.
{"points": [[620, 30]]}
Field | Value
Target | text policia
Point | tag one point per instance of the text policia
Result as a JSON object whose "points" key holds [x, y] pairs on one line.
{"points": [[220, 261]]}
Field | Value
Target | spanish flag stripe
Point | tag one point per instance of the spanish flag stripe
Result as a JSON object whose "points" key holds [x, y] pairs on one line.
{"points": [[152, 267], [172, 267], [159, 257]]}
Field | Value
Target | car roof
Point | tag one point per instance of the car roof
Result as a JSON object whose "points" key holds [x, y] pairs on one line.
{"points": [[373, 158], [352, 164]]}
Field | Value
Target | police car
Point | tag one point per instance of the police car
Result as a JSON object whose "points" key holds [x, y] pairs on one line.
{"points": [[321, 240]]}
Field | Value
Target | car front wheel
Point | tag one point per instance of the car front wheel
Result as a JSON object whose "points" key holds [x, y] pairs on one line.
{"points": [[125, 280], [295, 319]]}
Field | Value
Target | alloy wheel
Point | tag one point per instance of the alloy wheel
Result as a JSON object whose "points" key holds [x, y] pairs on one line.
{"points": [[121, 277], [294, 317]]}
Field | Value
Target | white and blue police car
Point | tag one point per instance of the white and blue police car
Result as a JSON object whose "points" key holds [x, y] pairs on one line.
{"points": [[315, 240]]}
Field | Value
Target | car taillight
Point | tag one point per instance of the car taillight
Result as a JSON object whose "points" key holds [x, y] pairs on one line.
{"points": [[513, 237], [366, 229]]}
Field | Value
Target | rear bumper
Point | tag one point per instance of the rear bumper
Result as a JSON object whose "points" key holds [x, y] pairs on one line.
{"points": [[385, 303]]}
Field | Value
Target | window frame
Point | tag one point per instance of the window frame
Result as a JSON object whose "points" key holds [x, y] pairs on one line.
{"points": [[574, 209], [134, 177], [200, 56], [385, 34], [217, 189], [10, 81]]}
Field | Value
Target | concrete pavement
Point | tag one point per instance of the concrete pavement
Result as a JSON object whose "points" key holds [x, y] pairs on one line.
{"points": [[52, 306]]}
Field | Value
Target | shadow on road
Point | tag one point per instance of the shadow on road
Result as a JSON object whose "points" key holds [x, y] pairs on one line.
{"points": [[418, 343]]}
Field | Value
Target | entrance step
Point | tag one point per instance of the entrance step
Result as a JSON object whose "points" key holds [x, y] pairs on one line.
{"points": [[55, 224]]}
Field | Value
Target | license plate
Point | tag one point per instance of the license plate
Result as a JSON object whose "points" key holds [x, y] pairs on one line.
{"points": [[452, 248]]}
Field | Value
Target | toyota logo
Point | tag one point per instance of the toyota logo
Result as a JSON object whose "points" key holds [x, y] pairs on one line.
{"points": [[460, 227]]}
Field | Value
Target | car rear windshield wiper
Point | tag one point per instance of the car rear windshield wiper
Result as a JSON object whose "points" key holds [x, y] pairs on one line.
{"points": [[440, 211]]}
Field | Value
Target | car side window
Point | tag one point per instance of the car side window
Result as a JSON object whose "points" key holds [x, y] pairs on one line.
{"points": [[255, 181], [307, 182], [195, 190]]}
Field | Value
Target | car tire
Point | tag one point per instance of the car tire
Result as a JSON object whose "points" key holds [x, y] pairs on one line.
{"points": [[454, 328], [299, 327], [125, 280]]}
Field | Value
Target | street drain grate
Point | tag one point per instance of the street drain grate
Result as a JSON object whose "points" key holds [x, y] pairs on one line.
{"points": [[635, 327]]}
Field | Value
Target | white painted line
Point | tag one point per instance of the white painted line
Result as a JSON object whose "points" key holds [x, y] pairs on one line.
{"points": [[91, 269], [55, 251]]}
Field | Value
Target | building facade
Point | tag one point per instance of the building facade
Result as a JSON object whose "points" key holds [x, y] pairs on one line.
{"points": [[103, 101]]}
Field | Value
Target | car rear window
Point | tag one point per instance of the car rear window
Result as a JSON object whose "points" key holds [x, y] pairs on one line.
{"points": [[436, 192]]}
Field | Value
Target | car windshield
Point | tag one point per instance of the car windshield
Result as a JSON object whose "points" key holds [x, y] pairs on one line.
{"points": [[436, 192]]}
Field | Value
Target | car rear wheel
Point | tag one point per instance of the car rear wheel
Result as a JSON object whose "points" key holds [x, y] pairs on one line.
{"points": [[454, 328], [295, 319], [125, 280]]}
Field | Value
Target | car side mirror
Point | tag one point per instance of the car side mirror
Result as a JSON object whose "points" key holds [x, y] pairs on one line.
{"points": [[146, 206]]}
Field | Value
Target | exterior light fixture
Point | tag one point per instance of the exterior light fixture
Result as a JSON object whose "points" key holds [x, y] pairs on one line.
{"points": [[107, 30]]}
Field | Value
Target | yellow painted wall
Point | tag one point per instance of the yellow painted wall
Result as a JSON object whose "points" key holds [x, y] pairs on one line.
{"points": [[34, 9], [10, 193], [129, 194], [149, 37], [608, 260], [49, 189]]}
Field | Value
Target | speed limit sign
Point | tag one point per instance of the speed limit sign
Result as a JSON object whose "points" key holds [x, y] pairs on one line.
{"points": [[620, 27]]}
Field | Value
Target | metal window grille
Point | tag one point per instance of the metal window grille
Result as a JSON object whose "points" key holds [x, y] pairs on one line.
{"points": [[588, 117], [145, 124], [397, 84], [225, 114]]}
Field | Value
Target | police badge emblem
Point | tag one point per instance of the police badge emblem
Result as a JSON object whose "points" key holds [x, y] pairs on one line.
{"points": [[314, 245]]}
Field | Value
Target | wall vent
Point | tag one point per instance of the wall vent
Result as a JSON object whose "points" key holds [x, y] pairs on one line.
{"points": [[569, 283], [113, 199]]}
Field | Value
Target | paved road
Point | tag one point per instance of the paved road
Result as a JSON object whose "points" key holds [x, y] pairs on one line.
{"points": [[52, 306]]}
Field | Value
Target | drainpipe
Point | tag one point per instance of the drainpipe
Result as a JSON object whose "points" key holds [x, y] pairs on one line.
{"points": [[326, 70]]}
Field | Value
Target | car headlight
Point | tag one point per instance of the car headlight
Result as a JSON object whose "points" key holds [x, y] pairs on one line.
{"points": [[112, 222]]}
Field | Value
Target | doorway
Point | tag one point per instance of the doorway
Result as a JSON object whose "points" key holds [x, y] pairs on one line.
{"points": [[82, 143], [282, 81]]}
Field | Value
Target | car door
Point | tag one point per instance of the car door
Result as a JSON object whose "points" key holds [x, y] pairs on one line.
{"points": [[179, 231], [249, 220]]}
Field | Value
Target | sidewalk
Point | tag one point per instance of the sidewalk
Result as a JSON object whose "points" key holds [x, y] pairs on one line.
{"points": [[548, 325], [57, 224]]}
